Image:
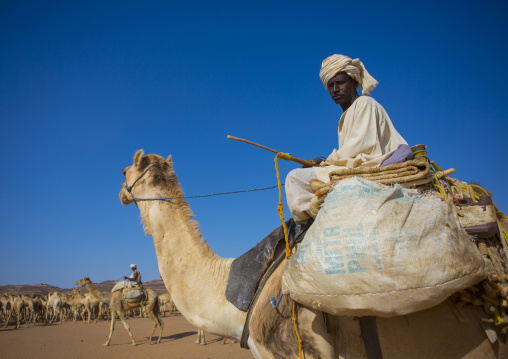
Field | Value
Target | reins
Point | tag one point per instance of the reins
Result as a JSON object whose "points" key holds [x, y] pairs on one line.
{"points": [[129, 189]]}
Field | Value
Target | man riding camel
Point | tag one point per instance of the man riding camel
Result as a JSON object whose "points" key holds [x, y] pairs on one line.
{"points": [[135, 278], [367, 137]]}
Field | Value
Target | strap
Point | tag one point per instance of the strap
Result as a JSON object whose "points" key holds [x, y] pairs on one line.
{"points": [[370, 337], [268, 273]]}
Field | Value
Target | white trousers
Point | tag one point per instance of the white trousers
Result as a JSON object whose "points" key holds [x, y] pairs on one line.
{"points": [[298, 193]]}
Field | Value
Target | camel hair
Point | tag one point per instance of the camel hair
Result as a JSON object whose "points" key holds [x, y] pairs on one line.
{"points": [[120, 306], [196, 277]]}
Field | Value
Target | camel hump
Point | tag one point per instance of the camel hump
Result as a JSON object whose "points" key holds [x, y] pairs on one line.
{"points": [[118, 286]]}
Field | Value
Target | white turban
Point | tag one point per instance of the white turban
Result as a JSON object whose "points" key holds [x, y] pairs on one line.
{"points": [[133, 266], [354, 68]]}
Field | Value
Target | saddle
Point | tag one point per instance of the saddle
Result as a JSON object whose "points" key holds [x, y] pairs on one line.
{"points": [[246, 271]]}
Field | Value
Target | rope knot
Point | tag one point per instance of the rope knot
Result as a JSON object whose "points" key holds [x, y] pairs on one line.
{"points": [[284, 156]]}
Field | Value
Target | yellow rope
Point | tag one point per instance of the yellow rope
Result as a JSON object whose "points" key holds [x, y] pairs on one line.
{"points": [[280, 208], [296, 330]]}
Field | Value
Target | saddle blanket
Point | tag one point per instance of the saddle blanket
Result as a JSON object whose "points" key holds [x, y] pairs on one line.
{"points": [[247, 269]]}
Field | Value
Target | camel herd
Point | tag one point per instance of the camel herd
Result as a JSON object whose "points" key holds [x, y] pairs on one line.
{"points": [[57, 307]]}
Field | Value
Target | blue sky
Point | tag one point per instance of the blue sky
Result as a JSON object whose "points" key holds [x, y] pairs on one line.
{"points": [[85, 85]]}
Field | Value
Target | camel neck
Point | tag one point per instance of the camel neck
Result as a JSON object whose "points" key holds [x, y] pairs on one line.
{"points": [[194, 275]]}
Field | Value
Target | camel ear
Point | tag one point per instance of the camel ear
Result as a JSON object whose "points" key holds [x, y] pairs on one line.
{"points": [[169, 161], [138, 156]]}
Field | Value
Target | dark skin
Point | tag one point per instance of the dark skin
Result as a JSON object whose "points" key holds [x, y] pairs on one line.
{"points": [[342, 89]]}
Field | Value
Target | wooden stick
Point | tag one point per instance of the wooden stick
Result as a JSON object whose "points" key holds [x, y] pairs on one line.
{"points": [[294, 159]]}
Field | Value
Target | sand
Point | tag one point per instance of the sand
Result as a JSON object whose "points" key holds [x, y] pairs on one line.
{"points": [[78, 340]]}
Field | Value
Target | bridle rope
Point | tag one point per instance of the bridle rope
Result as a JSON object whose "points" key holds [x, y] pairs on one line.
{"points": [[129, 189]]}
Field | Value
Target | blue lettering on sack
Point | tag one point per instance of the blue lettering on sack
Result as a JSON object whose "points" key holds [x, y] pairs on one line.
{"points": [[334, 265], [331, 231], [354, 267]]}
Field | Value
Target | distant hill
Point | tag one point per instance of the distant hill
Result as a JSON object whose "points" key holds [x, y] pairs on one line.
{"points": [[43, 289]]}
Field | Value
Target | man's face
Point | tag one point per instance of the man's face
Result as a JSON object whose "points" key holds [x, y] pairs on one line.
{"points": [[342, 89]]}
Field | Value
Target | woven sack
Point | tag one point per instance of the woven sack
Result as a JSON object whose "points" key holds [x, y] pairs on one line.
{"points": [[377, 250], [133, 295]]}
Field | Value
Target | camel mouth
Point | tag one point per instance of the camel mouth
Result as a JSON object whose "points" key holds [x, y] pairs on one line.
{"points": [[125, 197]]}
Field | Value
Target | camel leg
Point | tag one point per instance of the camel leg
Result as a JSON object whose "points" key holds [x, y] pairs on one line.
{"points": [[53, 316], [27, 319], [161, 327], [98, 315], [9, 318], [156, 319], [113, 318], [58, 314], [201, 337], [18, 317], [126, 325]]}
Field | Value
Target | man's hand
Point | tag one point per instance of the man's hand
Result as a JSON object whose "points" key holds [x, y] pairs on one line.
{"points": [[315, 162]]}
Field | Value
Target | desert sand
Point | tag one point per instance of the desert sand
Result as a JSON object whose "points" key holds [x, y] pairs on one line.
{"points": [[78, 340]]}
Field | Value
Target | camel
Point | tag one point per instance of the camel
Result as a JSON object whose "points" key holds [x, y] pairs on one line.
{"points": [[166, 299], [120, 306], [196, 277], [17, 305], [54, 307], [38, 308], [5, 306], [30, 309], [88, 304]]}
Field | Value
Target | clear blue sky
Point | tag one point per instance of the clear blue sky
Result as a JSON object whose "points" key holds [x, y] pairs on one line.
{"points": [[83, 85]]}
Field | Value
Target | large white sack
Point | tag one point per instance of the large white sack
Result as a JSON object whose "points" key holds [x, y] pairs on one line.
{"points": [[382, 251]]}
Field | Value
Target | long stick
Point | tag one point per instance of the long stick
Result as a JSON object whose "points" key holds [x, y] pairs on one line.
{"points": [[283, 155]]}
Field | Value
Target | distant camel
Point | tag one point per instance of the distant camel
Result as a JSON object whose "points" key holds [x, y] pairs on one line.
{"points": [[166, 299], [119, 305], [54, 307], [89, 303], [30, 309], [17, 305]]}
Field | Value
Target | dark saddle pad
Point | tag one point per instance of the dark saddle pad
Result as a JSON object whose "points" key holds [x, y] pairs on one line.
{"points": [[247, 269]]}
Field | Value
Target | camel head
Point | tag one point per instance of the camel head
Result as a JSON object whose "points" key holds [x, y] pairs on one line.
{"points": [[83, 282], [147, 172]]}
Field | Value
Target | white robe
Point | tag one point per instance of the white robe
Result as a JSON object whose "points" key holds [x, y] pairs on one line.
{"points": [[367, 137]]}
